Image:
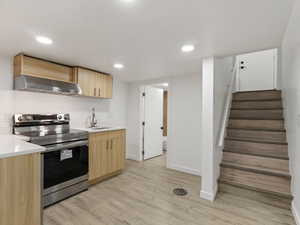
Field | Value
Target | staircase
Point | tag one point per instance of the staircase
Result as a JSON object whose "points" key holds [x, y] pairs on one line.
{"points": [[255, 152]]}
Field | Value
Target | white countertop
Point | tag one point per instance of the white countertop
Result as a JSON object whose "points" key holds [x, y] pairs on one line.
{"points": [[13, 145], [93, 130]]}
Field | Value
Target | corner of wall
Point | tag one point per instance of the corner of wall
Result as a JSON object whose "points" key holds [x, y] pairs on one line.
{"points": [[184, 169], [296, 213], [210, 196]]}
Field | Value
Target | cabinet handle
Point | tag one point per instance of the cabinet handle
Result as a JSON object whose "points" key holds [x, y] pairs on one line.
{"points": [[94, 91], [99, 92], [106, 144], [111, 144]]}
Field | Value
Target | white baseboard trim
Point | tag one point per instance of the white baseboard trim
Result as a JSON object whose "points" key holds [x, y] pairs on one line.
{"points": [[210, 196], [132, 157], [295, 213], [184, 169]]}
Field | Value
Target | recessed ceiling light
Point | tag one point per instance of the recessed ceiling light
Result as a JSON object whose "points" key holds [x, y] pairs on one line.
{"points": [[188, 48], [128, 1], [44, 40], [118, 66], [165, 84]]}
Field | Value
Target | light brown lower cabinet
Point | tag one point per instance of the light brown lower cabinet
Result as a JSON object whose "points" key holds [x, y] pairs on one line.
{"points": [[20, 190], [106, 154]]}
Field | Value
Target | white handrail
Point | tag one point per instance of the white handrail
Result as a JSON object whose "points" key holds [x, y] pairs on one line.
{"points": [[231, 89]]}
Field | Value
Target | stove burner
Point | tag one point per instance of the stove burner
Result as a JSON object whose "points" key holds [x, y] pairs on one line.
{"points": [[47, 129]]}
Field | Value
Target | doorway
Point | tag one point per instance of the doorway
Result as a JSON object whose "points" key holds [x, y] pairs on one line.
{"points": [[154, 113], [257, 70]]}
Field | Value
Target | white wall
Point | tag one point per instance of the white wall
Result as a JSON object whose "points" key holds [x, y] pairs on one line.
{"points": [[216, 78], [208, 181], [291, 96], [109, 112], [184, 121], [223, 76]]}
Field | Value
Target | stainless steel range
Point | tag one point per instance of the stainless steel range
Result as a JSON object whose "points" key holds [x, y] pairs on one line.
{"points": [[65, 161]]}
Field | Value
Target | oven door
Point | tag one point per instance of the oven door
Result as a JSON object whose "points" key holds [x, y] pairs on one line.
{"points": [[64, 165]]}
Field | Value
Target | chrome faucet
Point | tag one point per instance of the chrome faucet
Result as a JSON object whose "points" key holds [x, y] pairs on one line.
{"points": [[93, 121]]}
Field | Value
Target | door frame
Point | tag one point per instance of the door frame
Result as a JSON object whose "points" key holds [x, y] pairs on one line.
{"points": [[142, 117], [275, 69]]}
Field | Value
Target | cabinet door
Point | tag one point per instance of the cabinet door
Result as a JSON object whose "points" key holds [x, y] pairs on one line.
{"points": [[20, 190], [100, 85], [108, 86], [104, 86], [94, 84], [116, 152], [98, 155], [86, 81], [31, 66]]}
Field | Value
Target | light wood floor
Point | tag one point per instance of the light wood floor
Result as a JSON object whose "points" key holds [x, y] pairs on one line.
{"points": [[142, 195]]}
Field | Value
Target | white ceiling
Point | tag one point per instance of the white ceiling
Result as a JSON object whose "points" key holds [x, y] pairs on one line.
{"points": [[145, 35]]}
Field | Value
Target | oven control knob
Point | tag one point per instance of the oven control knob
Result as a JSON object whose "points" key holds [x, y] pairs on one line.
{"points": [[66, 117], [20, 118], [60, 117]]}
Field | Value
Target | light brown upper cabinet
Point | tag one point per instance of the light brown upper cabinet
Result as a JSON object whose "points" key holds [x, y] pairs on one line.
{"points": [[93, 83], [31, 66]]}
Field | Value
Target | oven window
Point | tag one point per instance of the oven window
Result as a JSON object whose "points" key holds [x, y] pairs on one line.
{"points": [[64, 165]]}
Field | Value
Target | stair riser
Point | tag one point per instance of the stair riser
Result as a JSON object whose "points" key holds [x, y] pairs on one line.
{"points": [[260, 95], [263, 182], [267, 199], [268, 136], [257, 105], [256, 161], [256, 124], [254, 114], [256, 148]]}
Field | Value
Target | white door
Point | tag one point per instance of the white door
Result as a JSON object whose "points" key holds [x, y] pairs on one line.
{"points": [[153, 117], [257, 71]]}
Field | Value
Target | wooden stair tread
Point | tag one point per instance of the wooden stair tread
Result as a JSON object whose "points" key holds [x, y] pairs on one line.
{"points": [[253, 140], [257, 135], [260, 181], [253, 118], [257, 148], [256, 109], [255, 129], [274, 156], [287, 195], [265, 198], [257, 95], [262, 114], [257, 169], [256, 140], [257, 105], [257, 100], [256, 124], [259, 91], [256, 161]]}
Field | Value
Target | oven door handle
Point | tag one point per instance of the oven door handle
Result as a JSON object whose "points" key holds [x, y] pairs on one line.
{"points": [[64, 146]]}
